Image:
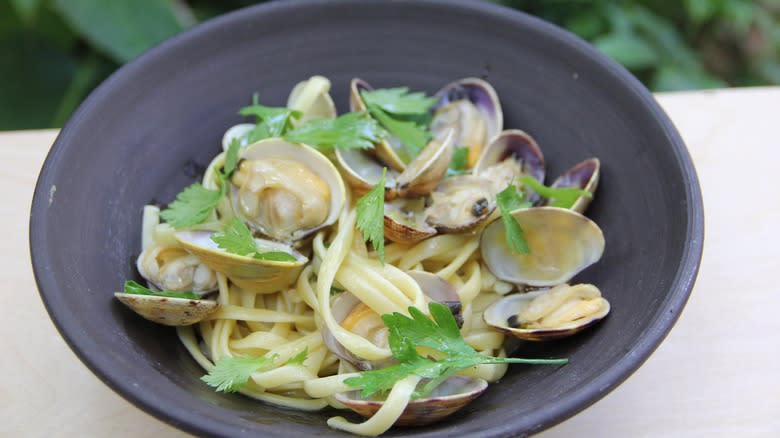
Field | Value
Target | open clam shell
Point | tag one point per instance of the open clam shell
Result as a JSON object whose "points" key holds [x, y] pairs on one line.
{"points": [[453, 394], [259, 276], [404, 221], [285, 190], [348, 309], [237, 132], [471, 108], [509, 155], [441, 291], [562, 243], [168, 311], [173, 268], [584, 175], [583, 304]]}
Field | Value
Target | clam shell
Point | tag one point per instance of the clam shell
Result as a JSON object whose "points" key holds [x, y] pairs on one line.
{"points": [[502, 311], [584, 175], [515, 144], [482, 95], [259, 276], [562, 243], [168, 311], [427, 170], [236, 132], [362, 172], [453, 394], [473, 201], [311, 158]]}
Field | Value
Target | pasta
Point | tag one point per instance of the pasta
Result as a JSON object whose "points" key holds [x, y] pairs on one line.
{"points": [[276, 236]]}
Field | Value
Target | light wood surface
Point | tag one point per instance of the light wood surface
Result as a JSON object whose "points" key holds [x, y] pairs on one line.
{"points": [[716, 375]]}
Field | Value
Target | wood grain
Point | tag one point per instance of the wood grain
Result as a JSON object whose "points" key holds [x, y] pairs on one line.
{"points": [[715, 375]]}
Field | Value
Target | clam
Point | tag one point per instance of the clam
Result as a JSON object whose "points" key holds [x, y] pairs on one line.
{"points": [[362, 171], [237, 132], [404, 221], [451, 395], [173, 268], [168, 311], [470, 107], [285, 190], [251, 274], [584, 175], [511, 154], [548, 314], [361, 320], [461, 203], [562, 243], [312, 99]]}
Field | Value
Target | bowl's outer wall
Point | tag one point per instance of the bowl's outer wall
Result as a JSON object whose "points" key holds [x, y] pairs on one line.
{"points": [[143, 134]]}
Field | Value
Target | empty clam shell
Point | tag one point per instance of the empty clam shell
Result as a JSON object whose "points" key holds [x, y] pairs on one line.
{"points": [[584, 175], [562, 243], [168, 311]]}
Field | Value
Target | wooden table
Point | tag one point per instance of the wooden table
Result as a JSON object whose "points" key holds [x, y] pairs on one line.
{"points": [[716, 375]]}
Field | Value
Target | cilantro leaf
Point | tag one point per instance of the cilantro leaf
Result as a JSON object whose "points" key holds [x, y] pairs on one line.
{"points": [[191, 207], [371, 216], [508, 201], [440, 334], [399, 100], [231, 158], [236, 238], [231, 373], [459, 162], [349, 131], [271, 121], [134, 288], [299, 358], [413, 136], [563, 197]]}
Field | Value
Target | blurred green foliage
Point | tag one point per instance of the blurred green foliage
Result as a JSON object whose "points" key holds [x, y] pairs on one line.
{"points": [[54, 52]]}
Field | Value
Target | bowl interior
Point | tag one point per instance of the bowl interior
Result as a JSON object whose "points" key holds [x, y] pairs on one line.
{"points": [[153, 126]]}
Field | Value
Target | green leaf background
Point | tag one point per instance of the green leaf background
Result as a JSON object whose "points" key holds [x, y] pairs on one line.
{"points": [[54, 52]]}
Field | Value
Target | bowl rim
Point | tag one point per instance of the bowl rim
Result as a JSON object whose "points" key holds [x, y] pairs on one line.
{"points": [[569, 404]]}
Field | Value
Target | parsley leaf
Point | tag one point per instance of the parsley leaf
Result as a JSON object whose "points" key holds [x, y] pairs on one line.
{"points": [[371, 216], [413, 136], [271, 121], [231, 158], [563, 197], [349, 131], [299, 358], [231, 373], [236, 238], [440, 334], [399, 100], [508, 201], [192, 206], [134, 288], [459, 162]]}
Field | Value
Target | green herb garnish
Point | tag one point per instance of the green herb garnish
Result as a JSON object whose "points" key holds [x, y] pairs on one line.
{"points": [[231, 373], [134, 288], [231, 158], [349, 131], [399, 101], [509, 200], [371, 216], [563, 197], [236, 238], [440, 334], [299, 358], [192, 206], [271, 121], [459, 162]]}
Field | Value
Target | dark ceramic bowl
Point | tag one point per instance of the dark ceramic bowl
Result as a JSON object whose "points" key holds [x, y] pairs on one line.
{"points": [[144, 133]]}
